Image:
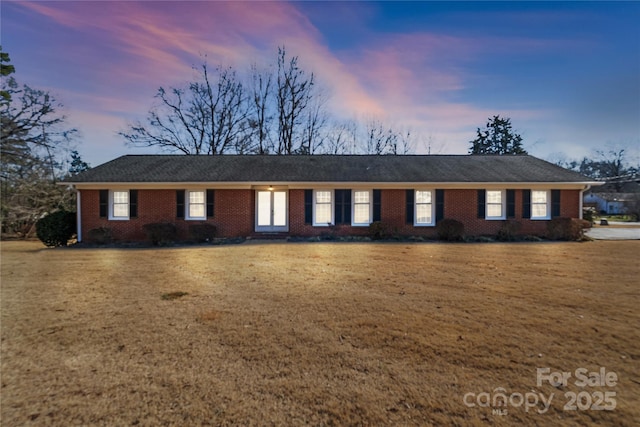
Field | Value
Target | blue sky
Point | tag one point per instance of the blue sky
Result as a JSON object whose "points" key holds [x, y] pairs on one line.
{"points": [[566, 73]]}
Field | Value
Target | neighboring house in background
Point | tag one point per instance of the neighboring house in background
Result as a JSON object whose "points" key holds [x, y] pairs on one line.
{"points": [[610, 203], [313, 195], [615, 196]]}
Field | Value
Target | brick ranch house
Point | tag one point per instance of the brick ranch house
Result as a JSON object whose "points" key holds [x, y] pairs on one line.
{"points": [[314, 195]]}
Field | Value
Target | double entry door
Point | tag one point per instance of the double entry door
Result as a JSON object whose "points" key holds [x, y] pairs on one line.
{"points": [[271, 211]]}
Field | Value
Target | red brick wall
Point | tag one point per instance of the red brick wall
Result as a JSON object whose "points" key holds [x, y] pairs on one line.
{"points": [[234, 214], [297, 227]]}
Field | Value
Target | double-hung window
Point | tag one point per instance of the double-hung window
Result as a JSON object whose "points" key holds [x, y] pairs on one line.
{"points": [[423, 208], [196, 204], [323, 207], [361, 208], [495, 204], [120, 205], [540, 206]]}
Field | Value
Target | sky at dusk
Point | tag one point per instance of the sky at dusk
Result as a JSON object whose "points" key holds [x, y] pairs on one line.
{"points": [[566, 73]]}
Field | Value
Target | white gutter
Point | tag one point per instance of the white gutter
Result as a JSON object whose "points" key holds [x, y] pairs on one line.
{"points": [[586, 188]]}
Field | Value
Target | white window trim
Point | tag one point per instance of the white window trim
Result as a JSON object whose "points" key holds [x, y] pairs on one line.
{"points": [[548, 206], [333, 199], [111, 206], [187, 202], [353, 208], [503, 202], [415, 208]]}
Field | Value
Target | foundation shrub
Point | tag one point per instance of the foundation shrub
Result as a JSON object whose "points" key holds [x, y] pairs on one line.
{"points": [[379, 230], [202, 232], [56, 228], [509, 231], [160, 233], [450, 230], [570, 229]]}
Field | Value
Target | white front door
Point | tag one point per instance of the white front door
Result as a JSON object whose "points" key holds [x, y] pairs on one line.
{"points": [[271, 211]]}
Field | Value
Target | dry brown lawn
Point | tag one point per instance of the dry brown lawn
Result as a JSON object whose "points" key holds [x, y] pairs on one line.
{"points": [[316, 333]]}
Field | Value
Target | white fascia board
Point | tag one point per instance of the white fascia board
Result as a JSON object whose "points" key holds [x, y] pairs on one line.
{"points": [[162, 185], [439, 185], [329, 184]]}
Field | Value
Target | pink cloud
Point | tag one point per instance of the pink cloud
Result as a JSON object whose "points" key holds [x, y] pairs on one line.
{"points": [[157, 43], [134, 47]]}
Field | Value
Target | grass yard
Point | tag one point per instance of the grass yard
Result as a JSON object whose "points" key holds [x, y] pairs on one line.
{"points": [[319, 334]]}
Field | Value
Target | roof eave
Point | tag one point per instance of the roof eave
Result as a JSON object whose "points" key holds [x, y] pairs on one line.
{"points": [[333, 184]]}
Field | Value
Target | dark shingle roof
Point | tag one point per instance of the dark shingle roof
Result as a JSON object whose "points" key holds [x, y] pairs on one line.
{"points": [[351, 168]]}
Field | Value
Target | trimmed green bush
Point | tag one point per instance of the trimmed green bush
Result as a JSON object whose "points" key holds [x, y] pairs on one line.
{"points": [[450, 230], [202, 232], [566, 229], [509, 230], [56, 228], [100, 235], [161, 233]]}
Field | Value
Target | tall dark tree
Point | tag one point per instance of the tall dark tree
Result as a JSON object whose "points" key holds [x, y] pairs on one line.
{"points": [[77, 164], [34, 138], [497, 137], [6, 69]]}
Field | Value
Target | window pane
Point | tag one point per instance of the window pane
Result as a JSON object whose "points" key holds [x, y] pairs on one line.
{"points": [[323, 214], [494, 211], [538, 197], [423, 214], [494, 196], [196, 196], [196, 211], [120, 204], [264, 208], [361, 214], [361, 197], [323, 196], [121, 210], [120, 197], [539, 211], [423, 196], [279, 208]]}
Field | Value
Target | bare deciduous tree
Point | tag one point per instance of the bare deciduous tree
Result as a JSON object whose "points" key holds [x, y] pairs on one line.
{"points": [[313, 134], [261, 109], [294, 91], [204, 118], [341, 138], [379, 138], [403, 143]]}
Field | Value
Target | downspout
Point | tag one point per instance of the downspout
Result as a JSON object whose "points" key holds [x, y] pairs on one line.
{"points": [[582, 199], [78, 216]]}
